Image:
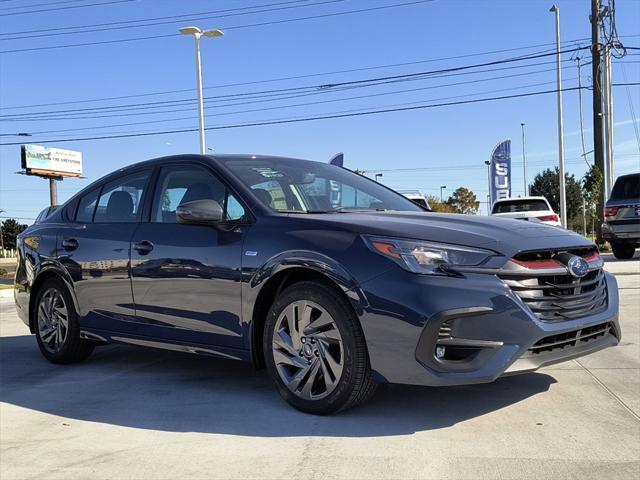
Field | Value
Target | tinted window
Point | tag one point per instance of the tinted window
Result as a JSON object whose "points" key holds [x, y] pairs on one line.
{"points": [[87, 206], [120, 200], [512, 206], [626, 187], [181, 184], [299, 185]]}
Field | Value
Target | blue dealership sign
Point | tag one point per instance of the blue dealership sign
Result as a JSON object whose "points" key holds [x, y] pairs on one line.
{"points": [[501, 171]]}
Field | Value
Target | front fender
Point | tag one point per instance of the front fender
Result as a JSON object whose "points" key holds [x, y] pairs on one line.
{"points": [[272, 272]]}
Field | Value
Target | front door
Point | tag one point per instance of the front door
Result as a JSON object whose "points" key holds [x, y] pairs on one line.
{"points": [[95, 251], [186, 278]]}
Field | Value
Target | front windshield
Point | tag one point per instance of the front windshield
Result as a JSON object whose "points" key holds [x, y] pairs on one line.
{"points": [[301, 186]]}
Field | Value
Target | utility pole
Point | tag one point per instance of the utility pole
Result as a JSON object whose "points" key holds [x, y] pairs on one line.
{"points": [[598, 146], [563, 194], [608, 120], [524, 160]]}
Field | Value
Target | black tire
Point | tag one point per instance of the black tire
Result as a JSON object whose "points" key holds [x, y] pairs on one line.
{"points": [[355, 384], [72, 349], [623, 251]]}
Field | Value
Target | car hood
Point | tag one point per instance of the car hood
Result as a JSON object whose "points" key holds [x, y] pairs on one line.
{"points": [[502, 235]]}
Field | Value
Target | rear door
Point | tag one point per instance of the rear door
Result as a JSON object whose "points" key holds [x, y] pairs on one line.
{"points": [[186, 278], [94, 248]]}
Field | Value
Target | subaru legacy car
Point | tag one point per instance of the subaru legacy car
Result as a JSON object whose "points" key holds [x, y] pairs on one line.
{"points": [[621, 225], [328, 279]]}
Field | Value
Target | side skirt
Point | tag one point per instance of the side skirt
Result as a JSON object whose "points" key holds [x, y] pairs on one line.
{"points": [[105, 337]]}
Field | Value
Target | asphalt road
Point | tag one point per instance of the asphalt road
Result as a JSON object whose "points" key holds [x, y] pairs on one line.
{"points": [[137, 413]]}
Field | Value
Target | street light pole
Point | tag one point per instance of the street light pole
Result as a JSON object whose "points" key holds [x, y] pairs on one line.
{"points": [[197, 35], [442, 187], [563, 195], [378, 175], [524, 160], [488, 164]]}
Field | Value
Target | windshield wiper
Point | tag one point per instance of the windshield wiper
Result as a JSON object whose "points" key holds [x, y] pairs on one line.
{"points": [[305, 211], [357, 209]]}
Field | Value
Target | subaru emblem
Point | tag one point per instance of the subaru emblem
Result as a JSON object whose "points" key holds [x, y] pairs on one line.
{"points": [[578, 266]]}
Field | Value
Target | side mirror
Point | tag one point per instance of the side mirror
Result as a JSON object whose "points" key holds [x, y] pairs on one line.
{"points": [[199, 212]]}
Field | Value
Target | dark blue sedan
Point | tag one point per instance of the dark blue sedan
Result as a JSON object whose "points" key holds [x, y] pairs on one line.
{"points": [[332, 281]]}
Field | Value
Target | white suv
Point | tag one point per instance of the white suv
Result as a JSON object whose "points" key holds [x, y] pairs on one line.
{"points": [[533, 209]]}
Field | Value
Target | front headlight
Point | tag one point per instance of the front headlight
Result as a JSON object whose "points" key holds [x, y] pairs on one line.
{"points": [[426, 257]]}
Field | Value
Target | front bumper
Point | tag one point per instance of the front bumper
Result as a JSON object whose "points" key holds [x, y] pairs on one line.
{"points": [[404, 315]]}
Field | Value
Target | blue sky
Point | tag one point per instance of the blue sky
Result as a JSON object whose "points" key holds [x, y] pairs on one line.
{"points": [[449, 143]]}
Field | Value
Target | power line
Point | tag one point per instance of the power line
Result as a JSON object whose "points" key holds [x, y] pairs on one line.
{"points": [[233, 27], [321, 102], [269, 97], [66, 8], [15, 7], [303, 119], [295, 77], [313, 118], [376, 80], [174, 19]]}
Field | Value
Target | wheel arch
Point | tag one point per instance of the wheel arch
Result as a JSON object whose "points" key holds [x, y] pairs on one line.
{"points": [[275, 277], [47, 273]]}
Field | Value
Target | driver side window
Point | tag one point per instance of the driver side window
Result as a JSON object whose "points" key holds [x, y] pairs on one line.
{"points": [[186, 183]]}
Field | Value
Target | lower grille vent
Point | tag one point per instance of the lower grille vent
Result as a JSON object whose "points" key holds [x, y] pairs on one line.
{"points": [[574, 338]]}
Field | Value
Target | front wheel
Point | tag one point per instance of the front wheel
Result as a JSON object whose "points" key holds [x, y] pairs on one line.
{"points": [[623, 251], [315, 350], [56, 324]]}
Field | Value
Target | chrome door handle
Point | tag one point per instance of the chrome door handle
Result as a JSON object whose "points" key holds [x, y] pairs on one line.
{"points": [[70, 243], [143, 247]]}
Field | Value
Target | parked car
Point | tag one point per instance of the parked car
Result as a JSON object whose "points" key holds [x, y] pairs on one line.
{"points": [[532, 209], [417, 197], [621, 226], [332, 281]]}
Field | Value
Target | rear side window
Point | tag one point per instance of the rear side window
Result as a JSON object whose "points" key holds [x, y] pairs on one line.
{"points": [[520, 206], [626, 188], [87, 206], [120, 200]]}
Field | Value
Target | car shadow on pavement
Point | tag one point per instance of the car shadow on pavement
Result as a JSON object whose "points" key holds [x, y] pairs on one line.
{"points": [[168, 391]]}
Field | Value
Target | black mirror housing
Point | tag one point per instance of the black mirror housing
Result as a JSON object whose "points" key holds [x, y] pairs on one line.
{"points": [[199, 212]]}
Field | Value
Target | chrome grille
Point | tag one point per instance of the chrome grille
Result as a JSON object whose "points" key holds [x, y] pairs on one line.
{"points": [[552, 297], [571, 339]]}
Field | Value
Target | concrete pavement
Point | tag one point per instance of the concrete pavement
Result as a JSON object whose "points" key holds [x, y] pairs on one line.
{"points": [[136, 413]]}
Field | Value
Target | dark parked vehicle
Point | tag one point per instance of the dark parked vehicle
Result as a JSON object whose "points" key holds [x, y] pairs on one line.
{"points": [[621, 225], [330, 280]]}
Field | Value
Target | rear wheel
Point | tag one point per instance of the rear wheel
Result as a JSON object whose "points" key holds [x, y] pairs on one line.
{"points": [[56, 324], [315, 350], [623, 251]]}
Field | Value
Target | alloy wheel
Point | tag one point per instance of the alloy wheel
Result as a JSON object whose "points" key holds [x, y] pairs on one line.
{"points": [[53, 320], [308, 350]]}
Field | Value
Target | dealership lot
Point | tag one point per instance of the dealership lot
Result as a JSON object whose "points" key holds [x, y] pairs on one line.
{"points": [[136, 413]]}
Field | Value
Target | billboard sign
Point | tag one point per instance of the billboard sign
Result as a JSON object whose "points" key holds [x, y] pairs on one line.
{"points": [[501, 171], [51, 162]]}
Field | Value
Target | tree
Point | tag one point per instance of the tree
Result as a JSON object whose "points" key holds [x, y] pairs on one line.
{"points": [[440, 207], [464, 201], [10, 230], [547, 184], [591, 188]]}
